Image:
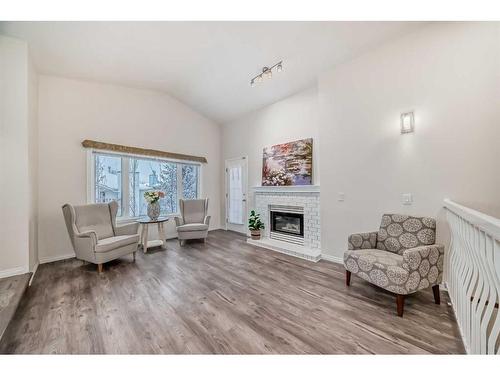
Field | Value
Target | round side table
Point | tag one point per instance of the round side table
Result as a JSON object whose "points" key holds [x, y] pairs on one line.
{"points": [[145, 222]]}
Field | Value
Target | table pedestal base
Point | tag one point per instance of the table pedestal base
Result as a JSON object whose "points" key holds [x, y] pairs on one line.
{"points": [[153, 243]]}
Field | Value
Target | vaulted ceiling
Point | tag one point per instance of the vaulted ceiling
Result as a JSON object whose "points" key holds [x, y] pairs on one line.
{"points": [[206, 65]]}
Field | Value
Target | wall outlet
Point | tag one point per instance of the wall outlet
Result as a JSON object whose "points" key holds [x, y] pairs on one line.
{"points": [[341, 197], [407, 199]]}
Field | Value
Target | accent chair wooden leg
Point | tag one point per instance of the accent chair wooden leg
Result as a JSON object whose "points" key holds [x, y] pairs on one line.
{"points": [[99, 267], [400, 302], [347, 277], [133, 254], [437, 296]]}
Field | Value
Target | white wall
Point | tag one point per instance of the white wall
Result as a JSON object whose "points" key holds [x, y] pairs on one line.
{"points": [[17, 125], [449, 74], [71, 111], [33, 163], [288, 120]]}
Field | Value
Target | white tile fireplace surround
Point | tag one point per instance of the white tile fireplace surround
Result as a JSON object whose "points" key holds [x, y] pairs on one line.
{"points": [[295, 199]]}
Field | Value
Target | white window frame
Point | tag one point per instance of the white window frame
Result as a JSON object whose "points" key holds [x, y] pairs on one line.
{"points": [[125, 160]]}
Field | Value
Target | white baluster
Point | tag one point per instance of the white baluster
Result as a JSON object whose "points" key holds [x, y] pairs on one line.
{"points": [[473, 277]]}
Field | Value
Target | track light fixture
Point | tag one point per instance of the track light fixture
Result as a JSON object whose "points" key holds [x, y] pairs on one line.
{"points": [[267, 73]]}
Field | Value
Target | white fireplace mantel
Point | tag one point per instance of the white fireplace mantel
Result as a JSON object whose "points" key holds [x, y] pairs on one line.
{"points": [[287, 189]]}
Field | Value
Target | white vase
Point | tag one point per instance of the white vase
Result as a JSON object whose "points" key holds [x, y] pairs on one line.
{"points": [[154, 210]]}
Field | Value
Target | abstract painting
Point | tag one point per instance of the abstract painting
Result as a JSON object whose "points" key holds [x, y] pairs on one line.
{"points": [[288, 164]]}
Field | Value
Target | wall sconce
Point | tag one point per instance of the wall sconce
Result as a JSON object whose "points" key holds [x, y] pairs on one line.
{"points": [[407, 123]]}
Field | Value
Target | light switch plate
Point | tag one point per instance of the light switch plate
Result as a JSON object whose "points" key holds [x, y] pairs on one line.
{"points": [[407, 199], [341, 197]]}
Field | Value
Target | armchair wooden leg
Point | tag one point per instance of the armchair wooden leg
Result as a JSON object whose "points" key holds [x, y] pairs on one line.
{"points": [[133, 254], [400, 302], [347, 277], [437, 296], [99, 267]]}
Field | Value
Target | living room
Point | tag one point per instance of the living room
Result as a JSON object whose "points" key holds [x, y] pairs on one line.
{"points": [[262, 187]]}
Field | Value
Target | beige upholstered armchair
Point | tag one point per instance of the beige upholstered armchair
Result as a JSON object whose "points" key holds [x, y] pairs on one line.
{"points": [[401, 257], [194, 221], [94, 234]]}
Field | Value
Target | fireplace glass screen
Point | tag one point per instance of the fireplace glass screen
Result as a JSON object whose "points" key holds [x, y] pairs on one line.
{"points": [[288, 223]]}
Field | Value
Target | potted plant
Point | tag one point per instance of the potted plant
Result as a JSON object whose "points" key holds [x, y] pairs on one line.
{"points": [[255, 225]]}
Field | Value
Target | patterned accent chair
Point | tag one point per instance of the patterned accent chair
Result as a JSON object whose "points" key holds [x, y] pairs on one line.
{"points": [[401, 257]]}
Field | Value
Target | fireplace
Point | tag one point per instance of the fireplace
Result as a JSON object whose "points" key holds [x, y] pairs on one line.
{"points": [[302, 200], [287, 224]]}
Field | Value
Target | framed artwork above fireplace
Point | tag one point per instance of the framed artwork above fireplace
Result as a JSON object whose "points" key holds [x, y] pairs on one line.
{"points": [[288, 164]]}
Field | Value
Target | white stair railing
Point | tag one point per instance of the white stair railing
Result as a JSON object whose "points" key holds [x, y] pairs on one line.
{"points": [[473, 277]]}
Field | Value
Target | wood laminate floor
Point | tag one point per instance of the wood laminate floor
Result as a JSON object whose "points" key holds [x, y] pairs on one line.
{"points": [[11, 293], [224, 296]]}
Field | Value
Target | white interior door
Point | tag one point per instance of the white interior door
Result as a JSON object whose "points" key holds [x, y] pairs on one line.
{"points": [[236, 194]]}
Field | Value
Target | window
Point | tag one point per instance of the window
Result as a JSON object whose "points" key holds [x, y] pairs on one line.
{"points": [[235, 195], [175, 179], [108, 176], [146, 175], [189, 181]]}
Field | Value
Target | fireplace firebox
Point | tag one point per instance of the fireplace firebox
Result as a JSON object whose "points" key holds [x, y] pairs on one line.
{"points": [[289, 223]]}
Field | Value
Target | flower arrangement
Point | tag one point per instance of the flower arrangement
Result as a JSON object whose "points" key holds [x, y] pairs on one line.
{"points": [[153, 196]]}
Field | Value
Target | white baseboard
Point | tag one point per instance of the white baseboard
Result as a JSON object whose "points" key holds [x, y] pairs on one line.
{"points": [[35, 268], [50, 259], [332, 258], [13, 271]]}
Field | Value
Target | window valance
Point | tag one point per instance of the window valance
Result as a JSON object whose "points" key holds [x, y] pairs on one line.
{"points": [[140, 151]]}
